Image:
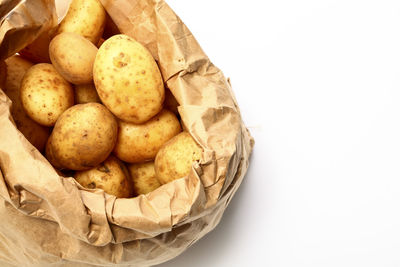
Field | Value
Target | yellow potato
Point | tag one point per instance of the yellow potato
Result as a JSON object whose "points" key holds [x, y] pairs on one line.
{"points": [[50, 154], [143, 177], [38, 51], [86, 18], [35, 133], [73, 57], [175, 159], [128, 80], [170, 102], [141, 142], [111, 176], [82, 138], [45, 94], [86, 93]]}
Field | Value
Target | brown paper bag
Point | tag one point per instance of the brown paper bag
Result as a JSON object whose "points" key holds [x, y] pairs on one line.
{"points": [[48, 219]]}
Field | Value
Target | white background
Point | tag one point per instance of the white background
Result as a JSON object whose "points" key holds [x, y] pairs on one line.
{"points": [[318, 84]]}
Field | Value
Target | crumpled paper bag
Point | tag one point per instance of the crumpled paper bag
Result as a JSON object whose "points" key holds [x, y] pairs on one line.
{"points": [[48, 219]]}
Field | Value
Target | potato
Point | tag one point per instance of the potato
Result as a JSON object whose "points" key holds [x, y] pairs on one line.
{"points": [[170, 102], [86, 18], [35, 133], [141, 142], [3, 74], [38, 50], [143, 177], [175, 159], [86, 93], [51, 156], [128, 80], [82, 138], [111, 176], [73, 57], [45, 94]]}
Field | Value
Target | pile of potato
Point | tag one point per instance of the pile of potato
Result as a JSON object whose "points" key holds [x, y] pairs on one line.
{"points": [[97, 107]]}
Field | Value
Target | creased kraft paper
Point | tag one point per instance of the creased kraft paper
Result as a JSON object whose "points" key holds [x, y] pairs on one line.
{"points": [[51, 220]]}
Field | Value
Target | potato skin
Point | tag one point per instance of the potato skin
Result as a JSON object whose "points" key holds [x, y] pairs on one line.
{"points": [[73, 57], [112, 176], [35, 133], [141, 142], [86, 18], [128, 80], [143, 177], [86, 93], [175, 159], [82, 138], [45, 94]]}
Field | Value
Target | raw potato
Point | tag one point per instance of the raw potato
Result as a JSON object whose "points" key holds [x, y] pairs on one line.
{"points": [[86, 18], [176, 157], [73, 57], [35, 133], [45, 94], [128, 80], [86, 93], [111, 176], [143, 177], [38, 51], [51, 157], [82, 138], [141, 142]]}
